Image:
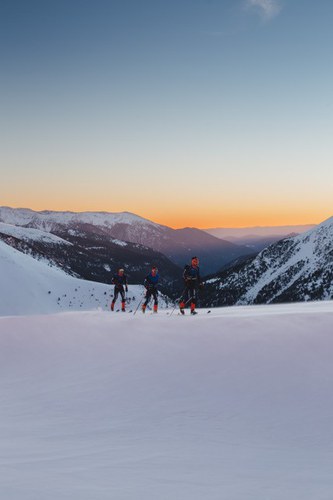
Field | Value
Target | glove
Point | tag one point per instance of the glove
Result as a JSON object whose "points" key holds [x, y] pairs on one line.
{"points": [[201, 286]]}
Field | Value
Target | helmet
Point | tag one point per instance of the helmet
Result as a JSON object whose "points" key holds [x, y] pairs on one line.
{"points": [[121, 270]]}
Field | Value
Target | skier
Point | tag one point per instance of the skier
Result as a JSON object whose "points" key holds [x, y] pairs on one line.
{"points": [[120, 285], [151, 283], [193, 283]]}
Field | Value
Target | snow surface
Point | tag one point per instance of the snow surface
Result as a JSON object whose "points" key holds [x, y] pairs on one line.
{"points": [[304, 262], [236, 404], [119, 242], [29, 286], [46, 219], [29, 234]]}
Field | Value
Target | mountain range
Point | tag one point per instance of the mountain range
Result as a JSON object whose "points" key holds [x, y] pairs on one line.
{"points": [[93, 246], [259, 237], [120, 236], [298, 268]]}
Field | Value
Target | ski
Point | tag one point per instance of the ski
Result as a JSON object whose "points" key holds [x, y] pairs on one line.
{"points": [[192, 314]]}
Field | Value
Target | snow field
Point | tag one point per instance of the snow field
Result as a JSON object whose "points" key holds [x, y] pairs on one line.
{"points": [[232, 405], [29, 286]]}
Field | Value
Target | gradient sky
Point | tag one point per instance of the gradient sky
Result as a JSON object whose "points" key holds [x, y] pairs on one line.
{"points": [[190, 112]]}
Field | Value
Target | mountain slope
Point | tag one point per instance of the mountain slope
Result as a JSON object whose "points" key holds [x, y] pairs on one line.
{"points": [[178, 245], [256, 244], [91, 255], [294, 269], [29, 286], [234, 405]]}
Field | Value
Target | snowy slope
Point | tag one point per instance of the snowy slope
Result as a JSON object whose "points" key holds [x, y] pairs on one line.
{"points": [[178, 245], [92, 256], [29, 286], [294, 269], [48, 219], [30, 234], [233, 405], [53, 221]]}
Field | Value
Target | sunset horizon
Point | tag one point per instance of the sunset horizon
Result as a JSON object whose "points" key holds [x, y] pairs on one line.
{"points": [[165, 220], [198, 114]]}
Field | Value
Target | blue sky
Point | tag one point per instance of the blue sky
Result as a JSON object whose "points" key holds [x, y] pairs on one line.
{"points": [[152, 106]]}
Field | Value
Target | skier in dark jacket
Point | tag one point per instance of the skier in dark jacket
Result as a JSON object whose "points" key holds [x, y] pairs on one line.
{"points": [[120, 286], [151, 284], [193, 283]]}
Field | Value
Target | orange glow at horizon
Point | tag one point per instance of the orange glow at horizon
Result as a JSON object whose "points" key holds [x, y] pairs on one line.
{"points": [[202, 219], [240, 220]]}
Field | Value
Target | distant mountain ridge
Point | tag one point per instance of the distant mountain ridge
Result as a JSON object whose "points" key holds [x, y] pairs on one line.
{"points": [[299, 268], [236, 233], [178, 245]]}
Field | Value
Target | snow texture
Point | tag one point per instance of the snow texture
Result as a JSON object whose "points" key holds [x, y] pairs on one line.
{"points": [[46, 219], [29, 286], [232, 405], [31, 234], [294, 269]]}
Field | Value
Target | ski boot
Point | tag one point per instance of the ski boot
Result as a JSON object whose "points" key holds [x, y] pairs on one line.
{"points": [[155, 308], [143, 308], [123, 307], [112, 306], [182, 307]]}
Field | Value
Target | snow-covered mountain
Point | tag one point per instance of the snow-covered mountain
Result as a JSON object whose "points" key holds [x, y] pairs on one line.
{"points": [[294, 269], [234, 405], [90, 255], [176, 244], [51, 221], [30, 286]]}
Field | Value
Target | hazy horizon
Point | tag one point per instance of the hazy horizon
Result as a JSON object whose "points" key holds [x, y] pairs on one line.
{"points": [[232, 231]]}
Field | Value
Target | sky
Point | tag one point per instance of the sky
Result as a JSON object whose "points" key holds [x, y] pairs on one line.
{"points": [[201, 113]]}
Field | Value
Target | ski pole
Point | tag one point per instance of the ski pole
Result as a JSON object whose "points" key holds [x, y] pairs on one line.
{"points": [[189, 300], [176, 302], [173, 310], [139, 304]]}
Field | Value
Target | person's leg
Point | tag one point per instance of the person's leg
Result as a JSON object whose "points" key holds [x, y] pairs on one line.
{"points": [[123, 303], [115, 296], [144, 305], [193, 300], [183, 300], [155, 301]]}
